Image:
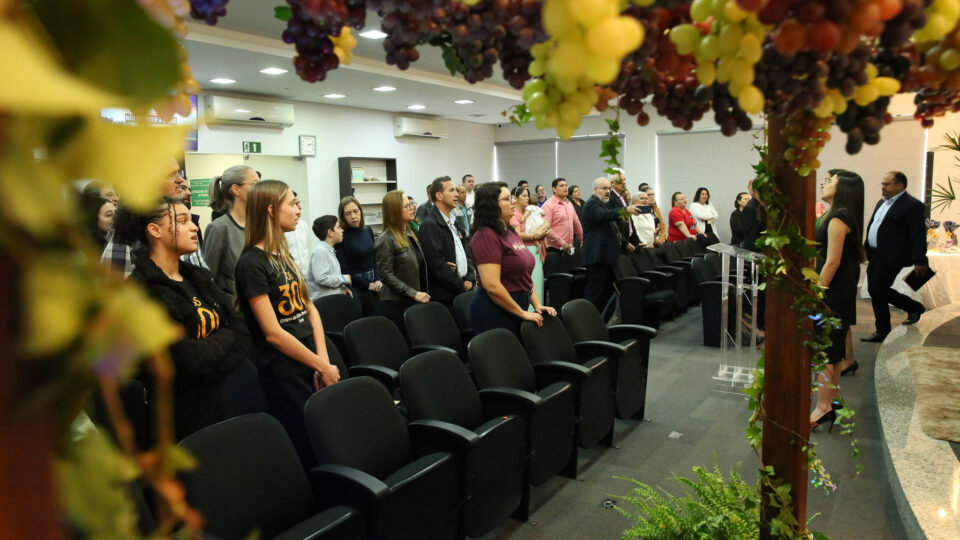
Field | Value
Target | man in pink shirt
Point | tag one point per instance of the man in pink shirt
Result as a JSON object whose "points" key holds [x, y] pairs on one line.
{"points": [[563, 220]]}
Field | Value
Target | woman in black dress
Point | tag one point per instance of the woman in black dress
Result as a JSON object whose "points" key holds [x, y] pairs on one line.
{"points": [[736, 225], [838, 262]]}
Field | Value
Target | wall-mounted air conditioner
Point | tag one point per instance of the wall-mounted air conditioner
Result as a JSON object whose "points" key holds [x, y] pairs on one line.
{"points": [[247, 112], [409, 126]]}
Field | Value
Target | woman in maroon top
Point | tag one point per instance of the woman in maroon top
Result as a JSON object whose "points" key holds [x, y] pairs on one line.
{"points": [[504, 265], [682, 224]]}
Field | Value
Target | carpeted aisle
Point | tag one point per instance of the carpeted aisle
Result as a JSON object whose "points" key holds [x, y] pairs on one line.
{"points": [[681, 399]]}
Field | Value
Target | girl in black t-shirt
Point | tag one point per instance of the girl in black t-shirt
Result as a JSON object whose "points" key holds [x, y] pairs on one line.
{"points": [[214, 339], [286, 328]]}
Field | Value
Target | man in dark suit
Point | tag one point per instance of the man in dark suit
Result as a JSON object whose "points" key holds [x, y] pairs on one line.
{"points": [[449, 266], [754, 220], [601, 242], [895, 239], [619, 199]]}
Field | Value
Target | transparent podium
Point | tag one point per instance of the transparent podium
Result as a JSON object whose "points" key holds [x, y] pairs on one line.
{"points": [[738, 317]]}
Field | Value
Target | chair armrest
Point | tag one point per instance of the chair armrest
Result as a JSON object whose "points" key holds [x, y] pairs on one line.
{"points": [[684, 263], [338, 484], [334, 333], [548, 373], [563, 276], [620, 332], [500, 401], [654, 274], [435, 435], [668, 269], [634, 279], [384, 375], [579, 271], [592, 348], [418, 349]]}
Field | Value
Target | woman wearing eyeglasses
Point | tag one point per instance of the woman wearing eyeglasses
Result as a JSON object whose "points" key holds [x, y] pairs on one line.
{"points": [[400, 260], [504, 265], [224, 237]]}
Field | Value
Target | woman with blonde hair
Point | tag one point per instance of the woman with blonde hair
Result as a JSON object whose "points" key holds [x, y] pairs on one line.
{"points": [[288, 338], [400, 260]]}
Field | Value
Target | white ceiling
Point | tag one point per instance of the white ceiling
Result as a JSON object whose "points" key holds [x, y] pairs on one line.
{"points": [[247, 40]]}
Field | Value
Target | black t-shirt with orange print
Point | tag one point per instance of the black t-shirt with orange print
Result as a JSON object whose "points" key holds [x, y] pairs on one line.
{"points": [[208, 315], [256, 276]]}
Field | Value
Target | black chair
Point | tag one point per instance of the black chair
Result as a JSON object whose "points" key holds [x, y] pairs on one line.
{"points": [[551, 345], [432, 324], [562, 281], [715, 260], [366, 456], [626, 345], [377, 349], [644, 298], [249, 478], [491, 447], [499, 362], [674, 276], [243, 387], [461, 310], [672, 256], [336, 312], [693, 247], [711, 303], [334, 354]]}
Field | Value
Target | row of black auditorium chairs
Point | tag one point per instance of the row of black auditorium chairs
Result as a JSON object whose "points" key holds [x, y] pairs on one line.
{"points": [[456, 460]]}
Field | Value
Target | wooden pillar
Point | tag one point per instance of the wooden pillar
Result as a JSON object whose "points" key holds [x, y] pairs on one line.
{"points": [[29, 499], [786, 396]]}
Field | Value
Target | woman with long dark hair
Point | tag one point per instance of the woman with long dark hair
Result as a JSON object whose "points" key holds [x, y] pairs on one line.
{"points": [[224, 237], [214, 338], [840, 235], [357, 257], [533, 238], [576, 199], [704, 212], [97, 215], [736, 222], [504, 265], [287, 332]]}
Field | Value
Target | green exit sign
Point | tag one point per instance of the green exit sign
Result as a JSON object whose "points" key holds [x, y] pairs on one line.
{"points": [[251, 147]]}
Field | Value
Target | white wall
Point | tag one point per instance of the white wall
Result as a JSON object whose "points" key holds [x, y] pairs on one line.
{"points": [[345, 131]]}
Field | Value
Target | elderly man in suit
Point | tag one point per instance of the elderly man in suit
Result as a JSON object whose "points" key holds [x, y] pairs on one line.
{"points": [[895, 239], [601, 242]]}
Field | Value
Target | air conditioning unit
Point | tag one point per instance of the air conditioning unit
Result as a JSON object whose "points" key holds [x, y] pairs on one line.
{"points": [[247, 112], [409, 126]]}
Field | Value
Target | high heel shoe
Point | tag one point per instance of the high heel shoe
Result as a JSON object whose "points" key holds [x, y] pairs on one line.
{"points": [[851, 369], [830, 416]]}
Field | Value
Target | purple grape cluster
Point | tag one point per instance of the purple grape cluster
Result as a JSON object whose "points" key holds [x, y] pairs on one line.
{"points": [[847, 71], [790, 83], [727, 114], [862, 124], [911, 17], [330, 16], [312, 41], [208, 11]]}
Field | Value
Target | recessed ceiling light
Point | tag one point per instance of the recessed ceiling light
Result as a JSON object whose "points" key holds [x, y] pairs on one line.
{"points": [[241, 110], [384, 88], [273, 71], [463, 101], [334, 96], [222, 80], [416, 107], [373, 34]]}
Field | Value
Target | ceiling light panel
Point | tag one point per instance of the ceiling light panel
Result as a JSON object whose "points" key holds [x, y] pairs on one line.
{"points": [[416, 107], [373, 34], [385, 88], [222, 80], [334, 96], [463, 101], [273, 71]]}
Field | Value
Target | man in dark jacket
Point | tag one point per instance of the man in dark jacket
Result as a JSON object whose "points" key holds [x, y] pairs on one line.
{"points": [[896, 238], [601, 242], [619, 199], [449, 265]]}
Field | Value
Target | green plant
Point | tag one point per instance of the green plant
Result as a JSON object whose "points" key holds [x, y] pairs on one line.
{"points": [[943, 195], [710, 507]]}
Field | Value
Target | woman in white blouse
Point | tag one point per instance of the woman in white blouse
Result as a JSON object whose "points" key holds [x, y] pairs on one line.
{"points": [[704, 212]]}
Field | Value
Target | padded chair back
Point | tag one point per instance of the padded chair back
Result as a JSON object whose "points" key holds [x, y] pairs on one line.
{"points": [[376, 340], [583, 321], [336, 311], [625, 267], [694, 247], [703, 271], [461, 310], [684, 248], [670, 252], [712, 239], [334, 354], [498, 359], [248, 477], [715, 260], [433, 324], [554, 263], [243, 387], [436, 386], [356, 423], [549, 342]]}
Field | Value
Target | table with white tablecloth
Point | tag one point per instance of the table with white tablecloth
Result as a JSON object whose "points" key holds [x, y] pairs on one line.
{"points": [[942, 289]]}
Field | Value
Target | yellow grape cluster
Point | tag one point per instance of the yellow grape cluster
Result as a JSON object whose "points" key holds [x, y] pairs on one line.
{"points": [[343, 45], [170, 14], [588, 39], [834, 103], [727, 42], [942, 17]]}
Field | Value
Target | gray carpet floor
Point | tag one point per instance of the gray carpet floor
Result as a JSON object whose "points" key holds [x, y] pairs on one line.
{"points": [[682, 398]]}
